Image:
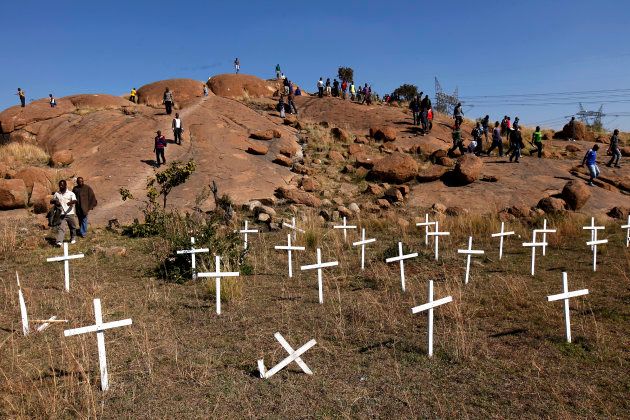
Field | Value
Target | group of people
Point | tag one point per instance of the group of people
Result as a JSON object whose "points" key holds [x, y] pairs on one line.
{"points": [[422, 112], [70, 210], [22, 96], [343, 89]]}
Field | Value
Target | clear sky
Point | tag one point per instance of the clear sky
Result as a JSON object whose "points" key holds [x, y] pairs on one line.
{"points": [[485, 48]]}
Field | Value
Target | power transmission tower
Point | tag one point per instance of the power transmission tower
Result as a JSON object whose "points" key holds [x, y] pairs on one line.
{"points": [[591, 118], [445, 103]]}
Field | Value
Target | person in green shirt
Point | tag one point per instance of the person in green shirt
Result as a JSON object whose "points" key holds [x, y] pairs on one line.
{"points": [[458, 142], [537, 142]]}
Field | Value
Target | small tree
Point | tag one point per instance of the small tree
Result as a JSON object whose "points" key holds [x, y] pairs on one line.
{"points": [[406, 91], [175, 175], [346, 74]]}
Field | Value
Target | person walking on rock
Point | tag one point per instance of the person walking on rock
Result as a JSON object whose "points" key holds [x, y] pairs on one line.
{"points": [[425, 106], [590, 160], [516, 144], [280, 107], [485, 125], [344, 89], [476, 134], [133, 95], [414, 107], [291, 103], [178, 129], [65, 200], [86, 201], [320, 88], [497, 140], [52, 101], [328, 89], [159, 146], [278, 71], [22, 95], [458, 142], [205, 90], [237, 65], [614, 150], [458, 114], [168, 101], [353, 91], [537, 142]]}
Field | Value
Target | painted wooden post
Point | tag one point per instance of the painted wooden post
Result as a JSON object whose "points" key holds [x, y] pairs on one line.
{"points": [[319, 266], [469, 253], [437, 235], [193, 252], [426, 225], [66, 264], [294, 356], [566, 295], [344, 228], [23, 312], [501, 235], [218, 275], [363, 242], [429, 307], [289, 248], [245, 232], [627, 227], [401, 257], [544, 232]]}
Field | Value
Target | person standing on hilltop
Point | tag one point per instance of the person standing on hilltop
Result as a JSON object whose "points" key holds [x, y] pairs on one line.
{"points": [[537, 142], [278, 71], [133, 96], [353, 91], [205, 90], [590, 159], [414, 107], [614, 150], [65, 200], [425, 105], [458, 114], [280, 107], [286, 83], [178, 129], [344, 89], [516, 144], [571, 129], [320, 87], [52, 101], [237, 65], [168, 101], [485, 125], [335, 88], [328, 90], [86, 201], [159, 146], [497, 140], [516, 125], [22, 95]]}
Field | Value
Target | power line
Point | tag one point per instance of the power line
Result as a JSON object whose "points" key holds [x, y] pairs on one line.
{"points": [[568, 93]]}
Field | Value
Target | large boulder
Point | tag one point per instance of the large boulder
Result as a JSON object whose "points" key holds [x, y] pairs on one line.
{"points": [[61, 158], [383, 133], [397, 168], [578, 132], [240, 86], [296, 196], [183, 91], [257, 148], [467, 169], [13, 194], [33, 174], [40, 198], [575, 194], [431, 173], [552, 205]]}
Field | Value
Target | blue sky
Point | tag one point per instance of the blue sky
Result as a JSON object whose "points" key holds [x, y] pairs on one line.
{"points": [[485, 48]]}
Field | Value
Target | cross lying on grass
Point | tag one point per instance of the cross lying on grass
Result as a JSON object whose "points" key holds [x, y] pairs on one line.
{"points": [[45, 323], [566, 295], [294, 356], [345, 228], [193, 251], [289, 248], [66, 264], [293, 227], [99, 327], [319, 266], [363, 242], [218, 275], [401, 257], [429, 306]]}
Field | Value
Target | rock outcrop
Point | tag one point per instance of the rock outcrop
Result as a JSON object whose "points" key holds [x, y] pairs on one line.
{"points": [[397, 168]]}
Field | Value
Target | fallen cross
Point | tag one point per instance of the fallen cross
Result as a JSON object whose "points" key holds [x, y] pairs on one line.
{"points": [[469, 253], [429, 306], [345, 228], [24, 314], [289, 248], [627, 227], [294, 356], [319, 266], [437, 235], [218, 274], [501, 235], [66, 264], [99, 327], [293, 227], [544, 232], [193, 252], [533, 245], [245, 232], [401, 257], [363, 242], [426, 225], [566, 295]]}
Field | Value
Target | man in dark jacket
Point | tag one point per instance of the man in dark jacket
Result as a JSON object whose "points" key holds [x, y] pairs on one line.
{"points": [[86, 201], [168, 101], [614, 150], [516, 144], [414, 106]]}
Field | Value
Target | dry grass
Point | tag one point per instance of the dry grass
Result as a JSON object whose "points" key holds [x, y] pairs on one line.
{"points": [[499, 348], [23, 154]]}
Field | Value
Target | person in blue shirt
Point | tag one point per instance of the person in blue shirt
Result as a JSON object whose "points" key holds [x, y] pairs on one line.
{"points": [[590, 160]]}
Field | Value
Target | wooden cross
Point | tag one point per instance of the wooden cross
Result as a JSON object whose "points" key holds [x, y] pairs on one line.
{"points": [[533, 245], [429, 306], [363, 242], [593, 230], [501, 235], [319, 267], [193, 251], [627, 227], [245, 232], [66, 264], [426, 225], [294, 356], [594, 242], [469, 253], [345, 227], [544, 232], [437, 235], [566, 295], [24, 314], [99, 327], [401, 258], [218, 274], [290, 248], [293, 227]]}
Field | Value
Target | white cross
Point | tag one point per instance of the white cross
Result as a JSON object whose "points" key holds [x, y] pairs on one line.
{"points": [[533, 245], [500, 235], [469, 253], [293, 227], [99, 327], [245, 232], [345, 227], [319, 267], [363, 242], [627, 227], [430, 305], [566, 295], [294, 356], [66, 264], [290, 248], [544, 231], [437, 235], [593, 244], [593, 230], [193, 251], [426, 225], [401, 257], [218, 274], [24, 313]]}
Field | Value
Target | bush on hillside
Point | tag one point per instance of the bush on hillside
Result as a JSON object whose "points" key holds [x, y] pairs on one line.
{"points": [[406, 91], [346, 74]]}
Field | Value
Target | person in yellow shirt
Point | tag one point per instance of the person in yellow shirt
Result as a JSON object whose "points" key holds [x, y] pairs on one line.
{"points": [[133, 96]]}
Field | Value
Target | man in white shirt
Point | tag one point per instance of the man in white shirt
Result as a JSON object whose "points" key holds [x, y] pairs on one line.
{"points": [[66, 200], [178, 128]]}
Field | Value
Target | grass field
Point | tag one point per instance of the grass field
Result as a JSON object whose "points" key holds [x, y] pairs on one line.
{"points": [[499, 346]]}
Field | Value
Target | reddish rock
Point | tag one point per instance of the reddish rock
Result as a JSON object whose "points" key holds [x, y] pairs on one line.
{"points": [[263, 135], [374, 189], [382, 203], [340, 134], [287, 146], [33, 174], [444, 161], [296, 196], [283, 160], [355, 149], [13, 194], [393, 195], [310, 185], [183, 91], [620, 213], [575, 194], [572, 148], [40, 199], [383, 133], [366, 160], [362, 172], [335, 156], [298, 168], [61, 158], [345, 212], [579, 132], [625, 151], [467, 169], [291, 120], [257, 148], [456, 211], [432, 173], [240, 86], [396, 168], [552, 205]]}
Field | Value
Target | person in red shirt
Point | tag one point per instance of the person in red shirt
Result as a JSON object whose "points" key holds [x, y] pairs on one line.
{"points": [[160, 145]]}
